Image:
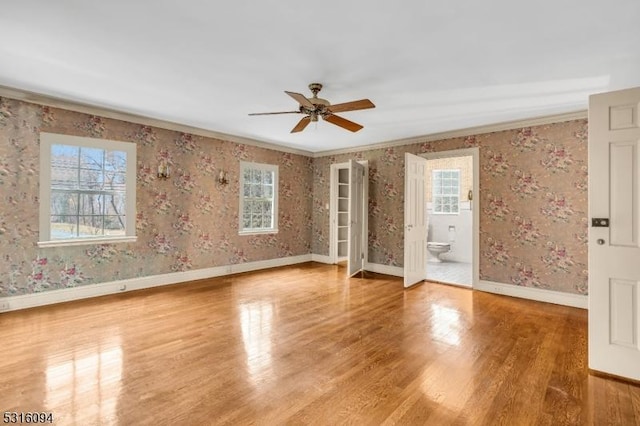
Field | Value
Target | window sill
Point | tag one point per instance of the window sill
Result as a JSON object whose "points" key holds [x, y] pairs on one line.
{"points": [[87, 241], [258, 232]]}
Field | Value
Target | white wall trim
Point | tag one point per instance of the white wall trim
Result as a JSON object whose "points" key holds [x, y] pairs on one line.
{"points": [[395, 271], [14, 303], [321, 258], [51, 101], [541, 295], [459, 133], [474, 152]]}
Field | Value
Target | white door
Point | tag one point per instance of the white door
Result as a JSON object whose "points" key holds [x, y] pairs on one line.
{"points": [[356, 218], [614, 233], [415, 226]]}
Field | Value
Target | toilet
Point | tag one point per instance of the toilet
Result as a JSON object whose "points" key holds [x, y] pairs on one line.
{"points": [[436, 249]]}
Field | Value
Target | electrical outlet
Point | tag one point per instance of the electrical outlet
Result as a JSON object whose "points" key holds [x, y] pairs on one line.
{"points": [[4, 306]]}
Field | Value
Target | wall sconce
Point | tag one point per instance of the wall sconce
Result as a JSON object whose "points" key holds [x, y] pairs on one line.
{"points": [[163, 170], [222, 177]]}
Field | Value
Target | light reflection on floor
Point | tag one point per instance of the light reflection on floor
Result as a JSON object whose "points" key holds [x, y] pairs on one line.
{"points": [[445, 325], [91, 376], [256, 324]]}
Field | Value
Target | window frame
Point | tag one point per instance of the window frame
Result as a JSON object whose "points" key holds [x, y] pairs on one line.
{"points": [[46, 142], [441, 195], [244, 165]]}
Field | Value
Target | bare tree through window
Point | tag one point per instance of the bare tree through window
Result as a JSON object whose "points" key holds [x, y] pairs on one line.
{"points": [[88, 192]]}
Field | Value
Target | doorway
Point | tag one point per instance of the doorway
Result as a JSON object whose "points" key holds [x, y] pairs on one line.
{"points": [[348, 218], [452, 210]]}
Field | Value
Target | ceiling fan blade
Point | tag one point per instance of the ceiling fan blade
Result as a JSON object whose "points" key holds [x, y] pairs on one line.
{"points": [[301, 124], [351, 106], [301, 99], [342, 122], [273, 113]]}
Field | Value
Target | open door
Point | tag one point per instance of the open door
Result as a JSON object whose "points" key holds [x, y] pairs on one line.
{"points": [[614, 235], [356, 218], [415, 227]]}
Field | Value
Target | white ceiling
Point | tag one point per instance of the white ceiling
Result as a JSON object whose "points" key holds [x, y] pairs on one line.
{"points": [[428, 66]]}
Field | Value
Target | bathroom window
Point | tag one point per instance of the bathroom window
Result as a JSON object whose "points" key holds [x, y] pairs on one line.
{"points": [[446, 191]]}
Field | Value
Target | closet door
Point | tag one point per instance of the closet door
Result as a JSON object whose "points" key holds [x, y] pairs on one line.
{"points": [[356, 218], [342, 215]]}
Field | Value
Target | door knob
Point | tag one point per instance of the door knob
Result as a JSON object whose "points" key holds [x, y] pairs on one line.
{"points": [[600, 241]]}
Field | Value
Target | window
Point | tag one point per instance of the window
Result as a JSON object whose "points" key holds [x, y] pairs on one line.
{"points": [[446, 191], [87, 190], [258, 198]]}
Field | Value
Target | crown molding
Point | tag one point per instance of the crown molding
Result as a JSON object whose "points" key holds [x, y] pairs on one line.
{"points": [[469, 131], [51, 101]]}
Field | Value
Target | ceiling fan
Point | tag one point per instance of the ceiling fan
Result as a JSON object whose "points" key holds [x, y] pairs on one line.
{"points": [[315, 107]]}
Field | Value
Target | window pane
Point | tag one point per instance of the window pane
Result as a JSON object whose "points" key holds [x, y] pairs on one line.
{"points": [[246, 221], [446, 208], [115, 204], [114, 181], [267, 177], [256, 191], [267, 207], [91, 179], [257, 176], [64, 153], [247, 208], [90, 226], [268, 191], [256, 220], [114, 225], [64, 203], [115, 161], [455, 204], [267, 221], [247, 190], [247, 175], [91, 158], [63, 227], [64, 177], [91, 204]]}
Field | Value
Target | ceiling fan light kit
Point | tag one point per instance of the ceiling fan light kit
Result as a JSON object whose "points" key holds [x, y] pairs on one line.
{"points": [[315, 107]]}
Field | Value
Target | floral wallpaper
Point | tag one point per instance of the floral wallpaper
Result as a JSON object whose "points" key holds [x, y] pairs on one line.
{"points": [[533, 201], [188, 221], [533, 204]]}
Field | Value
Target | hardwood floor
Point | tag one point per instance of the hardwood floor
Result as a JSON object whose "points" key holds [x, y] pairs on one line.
{"points": [[304, 345]]}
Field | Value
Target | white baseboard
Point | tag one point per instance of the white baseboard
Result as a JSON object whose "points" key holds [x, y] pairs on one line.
{"points": [[395, 271], [321, 258], [14, 303], [541, 295]]}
